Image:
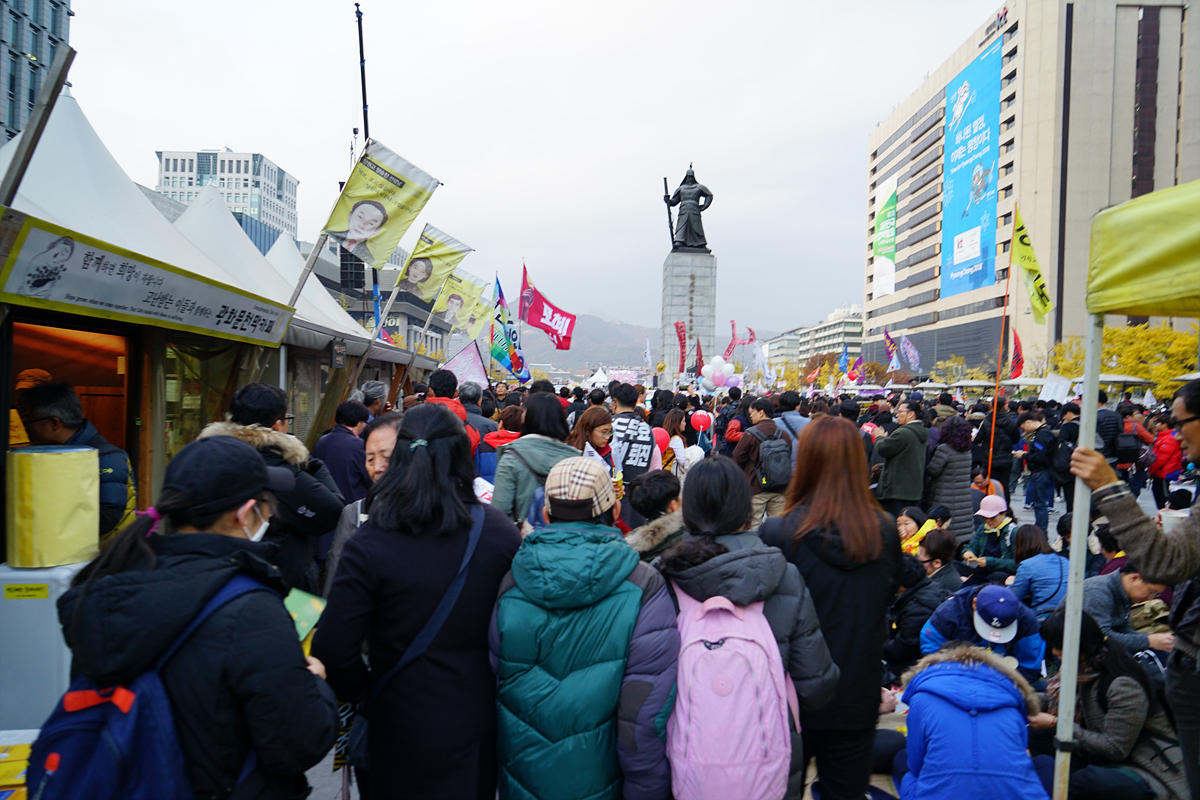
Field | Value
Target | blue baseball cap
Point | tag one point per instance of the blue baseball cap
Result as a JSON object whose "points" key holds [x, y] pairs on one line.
{"points": [[996, 612]]}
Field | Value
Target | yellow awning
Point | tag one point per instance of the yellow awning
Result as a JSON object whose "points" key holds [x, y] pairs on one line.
{"points": [[1145, 255]]}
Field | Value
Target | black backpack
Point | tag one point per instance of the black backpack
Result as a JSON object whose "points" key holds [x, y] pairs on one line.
{"points": [[1060, 461], [1129, 448], [724, 418], [774, 468]]}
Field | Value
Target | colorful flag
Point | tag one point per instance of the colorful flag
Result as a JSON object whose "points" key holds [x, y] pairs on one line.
{"points": [[844, 361], [538, 312], [506, 342], [1022, 255], [813, 376], [855, 373], [681, 332], [456, 304], [1018, 357], [911, 355], [379, 202], [894, 364], [467, 365], [890, 345], [432, 261]]}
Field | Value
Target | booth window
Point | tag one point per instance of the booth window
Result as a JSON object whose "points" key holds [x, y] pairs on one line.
{"points": [[199, 374]]}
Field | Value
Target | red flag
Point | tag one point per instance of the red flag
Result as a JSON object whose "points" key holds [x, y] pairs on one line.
{"points": [[813, 376], [753, 337], [699, 357], [387, 337], [734, 342], [537, 311], [1018, 357], [681, 332]]}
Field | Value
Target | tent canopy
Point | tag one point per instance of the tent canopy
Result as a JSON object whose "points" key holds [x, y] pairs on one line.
{"points": [[1106, 377], [1191, 376], [1145, 256], [1024, 382], [931, 385], [973, 384]]}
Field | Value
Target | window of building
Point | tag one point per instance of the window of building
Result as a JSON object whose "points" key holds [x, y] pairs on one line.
{"points": [[1010, 78], [238, 165], [14, 30], [51, 50], [1008, 168], [1008, 146], [35, 44], [33, 85], [190, 179], [1005, 246], [56, 19], [191, 165], [222, 167], [1004, 220], [246, 168], [1006, 191]]}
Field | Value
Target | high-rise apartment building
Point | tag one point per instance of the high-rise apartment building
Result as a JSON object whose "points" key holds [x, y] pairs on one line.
{"points": [[31, 31], [251, 183], [842, 328], [1060, 108]]}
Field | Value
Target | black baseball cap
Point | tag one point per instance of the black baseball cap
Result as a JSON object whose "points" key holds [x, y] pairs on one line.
{"points": [[221, 472]]}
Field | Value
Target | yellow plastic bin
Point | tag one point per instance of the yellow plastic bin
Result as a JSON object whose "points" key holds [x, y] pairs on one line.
{"points": [[53, 506]]}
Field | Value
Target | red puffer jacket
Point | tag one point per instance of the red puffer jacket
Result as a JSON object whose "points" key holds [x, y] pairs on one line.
{"points": [[1168, 458]]}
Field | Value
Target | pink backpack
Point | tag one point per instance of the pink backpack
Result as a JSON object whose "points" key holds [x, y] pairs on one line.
{"points": [[729, 735]]}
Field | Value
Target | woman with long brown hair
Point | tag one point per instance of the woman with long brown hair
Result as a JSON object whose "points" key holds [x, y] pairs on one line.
{"points": [[848, 553], [593, 435], [674, 457]]}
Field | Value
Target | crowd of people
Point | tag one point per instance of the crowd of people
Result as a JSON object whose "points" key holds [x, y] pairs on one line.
{"points": [[623, 593]]}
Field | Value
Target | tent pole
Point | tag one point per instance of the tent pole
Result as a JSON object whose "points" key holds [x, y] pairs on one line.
{"points": [[1065, 732], [375, 335], [398, 380]]}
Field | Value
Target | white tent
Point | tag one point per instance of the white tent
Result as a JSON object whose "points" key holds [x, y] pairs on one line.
{"points": [[1191, 376], [73, 181], [599, 379]]}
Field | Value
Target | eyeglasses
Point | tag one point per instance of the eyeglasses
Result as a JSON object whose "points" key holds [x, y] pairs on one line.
{"points": [[289, 418], [1176, 424], [926, 560], [28, 422]]}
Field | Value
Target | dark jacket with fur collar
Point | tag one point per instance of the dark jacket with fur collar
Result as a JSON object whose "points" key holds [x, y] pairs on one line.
{"points": [[657, 536], [300, 516]]}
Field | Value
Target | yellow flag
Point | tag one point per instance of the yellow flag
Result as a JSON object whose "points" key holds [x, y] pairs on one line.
{"points": [[1023, 257]]}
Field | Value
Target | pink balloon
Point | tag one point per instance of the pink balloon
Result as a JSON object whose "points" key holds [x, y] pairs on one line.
{"points": [[662, 439], [701, 421], [718, 378]]}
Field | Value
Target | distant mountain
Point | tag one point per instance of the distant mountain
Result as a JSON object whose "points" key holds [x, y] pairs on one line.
{"points": [[595, 342]]}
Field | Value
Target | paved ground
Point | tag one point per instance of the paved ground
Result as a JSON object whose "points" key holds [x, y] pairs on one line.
{"points": [[327, 785]]}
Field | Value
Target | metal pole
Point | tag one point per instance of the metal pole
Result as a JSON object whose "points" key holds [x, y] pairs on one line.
{"points": [[36, 124], [398, 381], [362, 70], [1064, 733]]}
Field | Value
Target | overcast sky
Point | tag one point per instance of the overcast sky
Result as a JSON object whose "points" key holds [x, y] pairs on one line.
{"points": [[551, 124]]}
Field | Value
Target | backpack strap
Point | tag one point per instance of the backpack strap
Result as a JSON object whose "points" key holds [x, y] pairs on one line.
{"points": [[440, 614], [762, 437], [541, 479], [237, 586]]}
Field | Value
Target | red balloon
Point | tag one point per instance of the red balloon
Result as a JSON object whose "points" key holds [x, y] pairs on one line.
{"points": [[701, 420], [662, 439]]}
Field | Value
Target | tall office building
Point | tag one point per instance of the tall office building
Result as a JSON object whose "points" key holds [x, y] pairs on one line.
{"points": [[1062, 108], [251, 183], [842, 328], [31, 31]]}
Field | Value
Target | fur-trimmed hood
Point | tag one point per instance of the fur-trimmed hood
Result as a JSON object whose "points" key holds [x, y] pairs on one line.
{"points": [[649, 536], [290, 449], [945, 673]]}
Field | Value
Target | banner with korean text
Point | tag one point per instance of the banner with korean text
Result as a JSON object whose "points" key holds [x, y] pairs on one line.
{"points": [[539, 312], [432, 261], [970, 166], [884, 246], [53, 268]]}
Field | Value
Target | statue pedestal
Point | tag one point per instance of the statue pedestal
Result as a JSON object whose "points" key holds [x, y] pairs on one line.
{"points": [[689, 296]]}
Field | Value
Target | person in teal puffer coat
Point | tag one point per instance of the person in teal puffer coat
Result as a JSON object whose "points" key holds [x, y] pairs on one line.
{"points": [[585, 647]]}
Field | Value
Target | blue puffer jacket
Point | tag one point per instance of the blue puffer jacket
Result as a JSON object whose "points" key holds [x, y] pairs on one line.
{"points": [[967, 735], [1041, 582], [585, 641], [118, 490]]}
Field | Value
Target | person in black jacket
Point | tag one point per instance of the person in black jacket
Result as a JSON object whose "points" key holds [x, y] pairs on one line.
{"points": [[1108, 427], [343, 452], [241, 682], [1007, 436], [1040, 492], [848, 553], [433, 727], [919, 597], [258, 416]]}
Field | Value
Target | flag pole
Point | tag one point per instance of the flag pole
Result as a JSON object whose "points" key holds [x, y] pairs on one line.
{"points": [[398, 380], [999, 366]]}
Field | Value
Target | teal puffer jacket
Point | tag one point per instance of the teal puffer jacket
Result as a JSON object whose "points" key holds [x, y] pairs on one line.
{"points": [[586, 643]]}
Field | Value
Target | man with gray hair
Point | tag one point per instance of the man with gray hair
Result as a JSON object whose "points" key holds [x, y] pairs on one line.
{"points": [[374, 397], [470, 394], [53, 415]]}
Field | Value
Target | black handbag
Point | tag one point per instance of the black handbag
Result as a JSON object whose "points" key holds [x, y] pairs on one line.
{"points": [[356, 740]]}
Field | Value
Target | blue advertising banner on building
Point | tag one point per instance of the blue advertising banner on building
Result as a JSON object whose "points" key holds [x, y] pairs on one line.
{"points": [[971, 161]]}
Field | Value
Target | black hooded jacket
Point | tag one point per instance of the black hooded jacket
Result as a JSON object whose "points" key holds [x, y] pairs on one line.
{"points": [[752, 572], [851, 602], [240, 680], [908, 614]]}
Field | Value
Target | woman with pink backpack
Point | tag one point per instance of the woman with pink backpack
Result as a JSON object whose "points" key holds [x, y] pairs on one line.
{"points": [[737, 695]]}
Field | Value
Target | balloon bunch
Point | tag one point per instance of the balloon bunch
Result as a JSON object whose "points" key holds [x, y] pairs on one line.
{"points": [[717, 372]]}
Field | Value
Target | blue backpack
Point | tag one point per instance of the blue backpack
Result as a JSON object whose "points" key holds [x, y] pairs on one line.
{"points": [[120, 742]]}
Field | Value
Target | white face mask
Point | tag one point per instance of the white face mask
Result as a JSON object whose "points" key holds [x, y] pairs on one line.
{"points": [[260, 532]]}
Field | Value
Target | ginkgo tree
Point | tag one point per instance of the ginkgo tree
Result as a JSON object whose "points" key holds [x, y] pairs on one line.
{"points": [[1157, 354]]}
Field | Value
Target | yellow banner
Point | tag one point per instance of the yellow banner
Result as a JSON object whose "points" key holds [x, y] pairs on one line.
{"points": [[432, 261], [379, 202], [481, 316], [1023, 257], [457, 304]]}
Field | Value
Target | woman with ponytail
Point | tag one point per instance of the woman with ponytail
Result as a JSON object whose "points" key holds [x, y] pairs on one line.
{"points": [[240, 683], [433, 726]]}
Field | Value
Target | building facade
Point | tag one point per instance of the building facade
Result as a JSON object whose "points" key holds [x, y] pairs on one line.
{"points": [[251, 184], [1060, 108], [31, 31], [842, 328]]}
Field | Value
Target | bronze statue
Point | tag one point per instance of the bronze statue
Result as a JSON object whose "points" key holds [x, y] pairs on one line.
{"points": [[693, 199]]}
